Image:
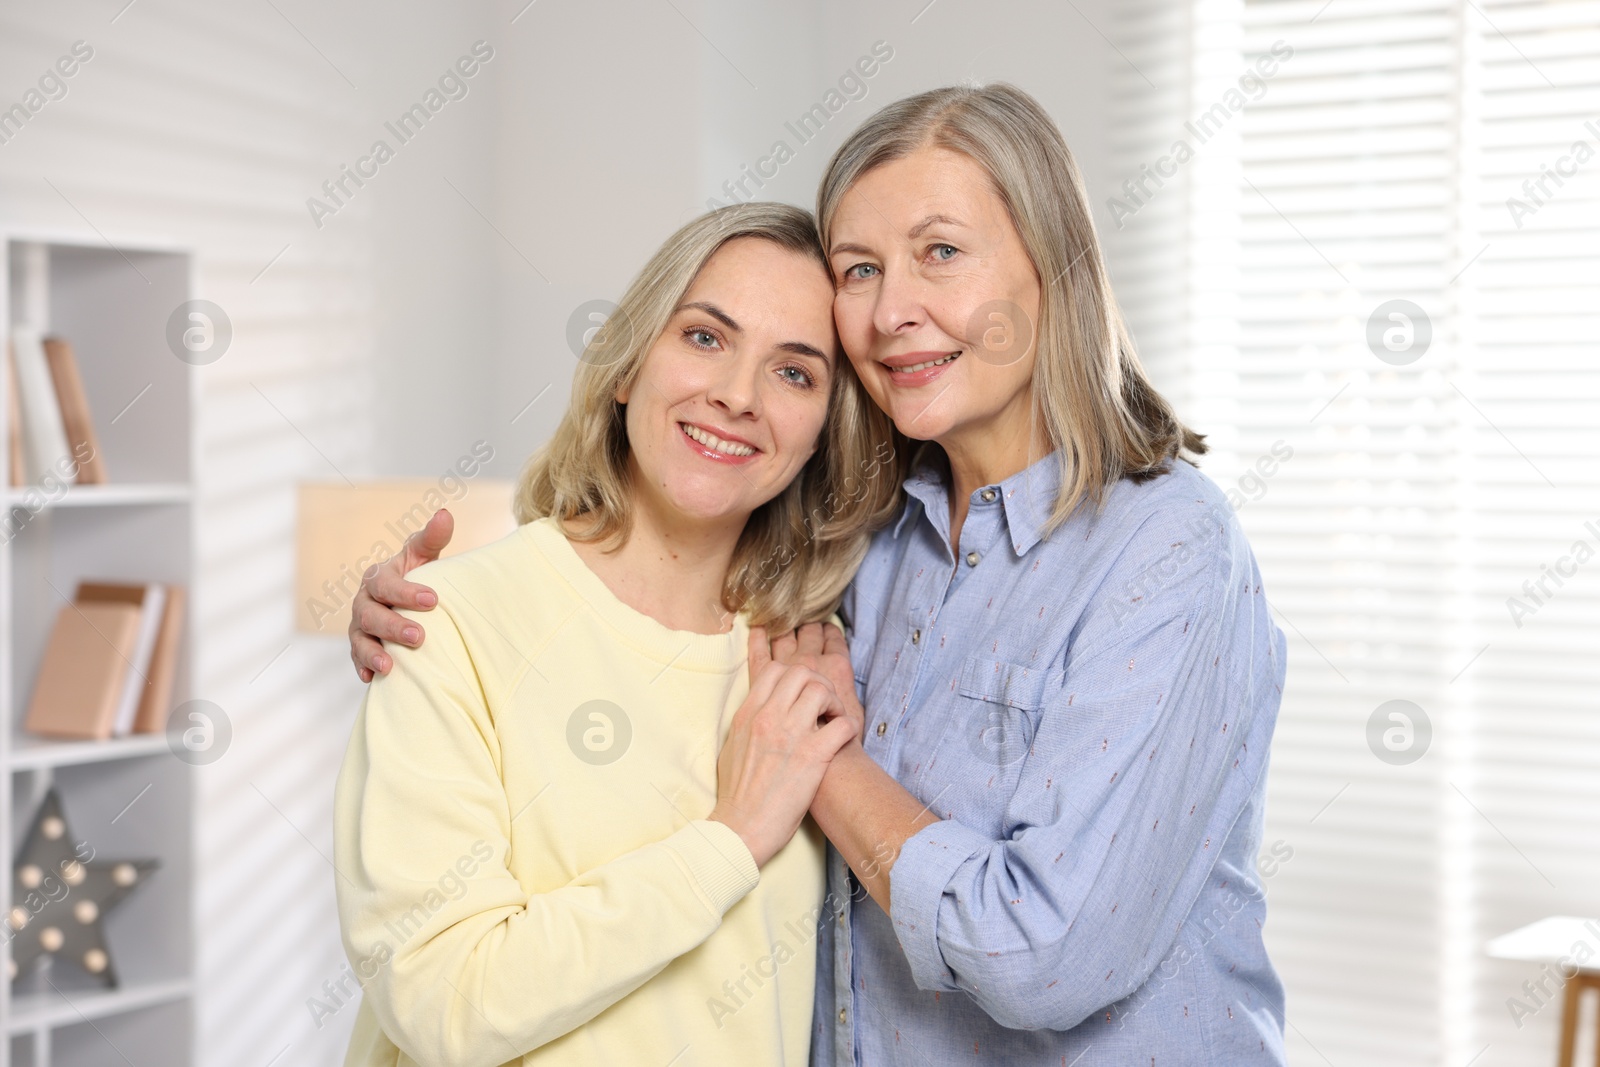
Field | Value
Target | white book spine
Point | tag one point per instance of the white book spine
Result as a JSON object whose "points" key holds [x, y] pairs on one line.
{"points": [[138, 676], [44, 436]]}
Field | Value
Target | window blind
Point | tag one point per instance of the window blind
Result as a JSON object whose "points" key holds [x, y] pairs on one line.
{"points": [[1531, 311], [1396, 368]]}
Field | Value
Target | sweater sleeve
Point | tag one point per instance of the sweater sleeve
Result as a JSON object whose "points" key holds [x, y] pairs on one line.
{"points": [[460, 964]]}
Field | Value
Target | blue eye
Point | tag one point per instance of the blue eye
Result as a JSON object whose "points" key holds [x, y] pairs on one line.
{"points": [[853, 272], [938, 251], [802, 376], [701, 338]]}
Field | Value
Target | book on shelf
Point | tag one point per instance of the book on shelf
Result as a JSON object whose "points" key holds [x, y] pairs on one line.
{"points": [[150, 600], [52, 430], [44, 436], [156, 703], [83, 671], [109, 665], [81, 439]]}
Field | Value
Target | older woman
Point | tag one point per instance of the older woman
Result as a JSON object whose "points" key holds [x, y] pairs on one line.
{"points": [[1045, 842]]}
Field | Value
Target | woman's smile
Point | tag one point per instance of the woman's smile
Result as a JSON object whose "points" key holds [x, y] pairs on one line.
{"points": [[916, 369], [721, 447]]}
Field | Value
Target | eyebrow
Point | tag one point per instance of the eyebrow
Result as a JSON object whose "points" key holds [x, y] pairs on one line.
{"points": [[799, 348], [916, 231], [928, 223], [715, 312]]}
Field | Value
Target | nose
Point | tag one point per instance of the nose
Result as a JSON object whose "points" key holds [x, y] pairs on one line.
{"points": [[734, 389], [899, 306]]}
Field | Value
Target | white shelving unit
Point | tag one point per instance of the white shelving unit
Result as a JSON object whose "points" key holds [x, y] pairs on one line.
{"points": [[130, 798]]}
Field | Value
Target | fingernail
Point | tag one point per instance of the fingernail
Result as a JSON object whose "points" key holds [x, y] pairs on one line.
{"points": [[411, 634], [427, 600], [382, 663]]}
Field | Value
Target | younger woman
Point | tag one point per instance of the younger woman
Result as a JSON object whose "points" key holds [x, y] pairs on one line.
{"points": [[542, 856]]}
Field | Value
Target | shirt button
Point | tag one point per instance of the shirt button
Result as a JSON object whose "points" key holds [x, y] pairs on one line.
{"points": [[882, 726], [916, 637], [972, 559], [841, 1016], [987, 496]]}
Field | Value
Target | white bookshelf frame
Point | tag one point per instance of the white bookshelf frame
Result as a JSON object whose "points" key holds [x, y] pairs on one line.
{"points": [[111, 298]]}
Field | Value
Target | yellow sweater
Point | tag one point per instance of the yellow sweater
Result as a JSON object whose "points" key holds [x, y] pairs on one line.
{"points": [[525, 871]]}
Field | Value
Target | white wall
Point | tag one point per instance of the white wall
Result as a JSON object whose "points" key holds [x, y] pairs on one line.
{"points": [[1054, 51]]}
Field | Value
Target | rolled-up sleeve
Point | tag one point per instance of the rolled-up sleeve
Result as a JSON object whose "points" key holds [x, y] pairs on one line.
{"points": [[1140, 764]]}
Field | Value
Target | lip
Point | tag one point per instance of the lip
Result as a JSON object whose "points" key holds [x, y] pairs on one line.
{"points": [[919, 378], [711, 453]]}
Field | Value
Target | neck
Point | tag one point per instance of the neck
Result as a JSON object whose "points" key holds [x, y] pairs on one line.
{"points": [[986, 457], [670, 568]]}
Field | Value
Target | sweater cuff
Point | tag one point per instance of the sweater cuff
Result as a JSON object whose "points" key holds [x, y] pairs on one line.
{"points": [[718, 861], [927, 862]]}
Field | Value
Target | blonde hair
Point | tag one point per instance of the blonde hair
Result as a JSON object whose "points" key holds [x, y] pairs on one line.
{"points": [[1101, 414], [797, 551]]}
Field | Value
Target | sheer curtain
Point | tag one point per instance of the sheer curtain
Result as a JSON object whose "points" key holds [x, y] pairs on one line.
{"points": [[1359, 244]]}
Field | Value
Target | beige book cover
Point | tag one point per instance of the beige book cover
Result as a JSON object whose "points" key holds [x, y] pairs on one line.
{"points": [[156, 703], [75, 417], [150, 599], [84, 669]]}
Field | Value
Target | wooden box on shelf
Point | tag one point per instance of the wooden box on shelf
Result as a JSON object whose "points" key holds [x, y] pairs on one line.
{"points": [[127, 796]]}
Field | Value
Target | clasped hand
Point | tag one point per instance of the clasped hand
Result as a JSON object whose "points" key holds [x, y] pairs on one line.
{"points": [[800, 712]]}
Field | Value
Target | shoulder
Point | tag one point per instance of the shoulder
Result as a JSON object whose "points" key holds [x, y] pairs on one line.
{"points": [[1172, 541], [1166, 499], [1181, 508], [485, 564], [507, 585]]}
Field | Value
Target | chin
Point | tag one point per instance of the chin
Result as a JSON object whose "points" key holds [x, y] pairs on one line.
{"points": [[918, 422], [928, 413], [710, 503]]}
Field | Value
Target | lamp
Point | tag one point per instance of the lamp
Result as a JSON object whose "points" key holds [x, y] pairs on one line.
{"points": [[343, 529]]}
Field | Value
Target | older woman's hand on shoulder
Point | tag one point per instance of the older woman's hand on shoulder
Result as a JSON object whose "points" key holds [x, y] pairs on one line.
{"points": [[373, 619]]}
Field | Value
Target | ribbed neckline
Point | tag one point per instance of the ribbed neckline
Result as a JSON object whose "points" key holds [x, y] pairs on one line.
{"points": [[719, 653]]}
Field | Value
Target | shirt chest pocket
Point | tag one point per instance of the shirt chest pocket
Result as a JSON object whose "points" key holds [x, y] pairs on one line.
{"points": [[1001, 706], [986, 730]]}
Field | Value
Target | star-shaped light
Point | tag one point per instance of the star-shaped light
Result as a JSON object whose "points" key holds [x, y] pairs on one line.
{"points": [[59, 894]]}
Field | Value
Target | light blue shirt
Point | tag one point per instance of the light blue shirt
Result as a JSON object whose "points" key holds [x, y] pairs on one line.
{"points": [[1089, 714]]}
